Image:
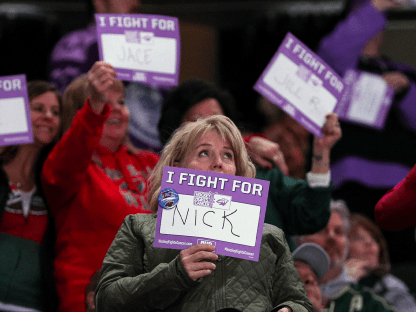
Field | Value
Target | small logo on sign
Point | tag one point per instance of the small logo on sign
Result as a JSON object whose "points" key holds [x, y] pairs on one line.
{"points": [[168, 199], [212, 200], [206, 242]]}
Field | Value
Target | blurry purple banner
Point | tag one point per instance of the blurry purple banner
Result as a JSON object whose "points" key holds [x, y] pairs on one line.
{"points": [[203, 207], [15, 122], [302, 84], [143, 48], [367, 99]]}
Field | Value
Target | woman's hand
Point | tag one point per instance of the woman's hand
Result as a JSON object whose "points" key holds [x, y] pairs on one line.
{"points": [[322, 147], [266, 153], [356, 268], [285, 309], [193, 260], [396, 80], [100, 79], [385, 5]]}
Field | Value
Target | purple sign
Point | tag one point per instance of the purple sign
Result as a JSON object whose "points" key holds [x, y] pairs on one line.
{"points": [[143, 48], [15, 122], [203, 207], [366, 101], [302, 84]]}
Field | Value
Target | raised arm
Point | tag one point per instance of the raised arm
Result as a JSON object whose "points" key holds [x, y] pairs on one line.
{"points": [[67, 164], [341, 49]]}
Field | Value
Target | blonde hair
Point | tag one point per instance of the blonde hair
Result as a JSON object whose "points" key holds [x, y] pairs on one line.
{"points": [[182, 142]]}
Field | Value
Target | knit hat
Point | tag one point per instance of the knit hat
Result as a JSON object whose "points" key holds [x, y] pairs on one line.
{"points": [[315, 256]]}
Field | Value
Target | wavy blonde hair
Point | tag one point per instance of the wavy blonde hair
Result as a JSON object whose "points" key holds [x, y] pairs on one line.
{"points": [[184, 140]]}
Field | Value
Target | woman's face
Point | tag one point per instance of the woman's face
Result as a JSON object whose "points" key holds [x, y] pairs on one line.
{"points": [[45, 115], [115, 127], [363, 246], [211, 153], [206, 108]]}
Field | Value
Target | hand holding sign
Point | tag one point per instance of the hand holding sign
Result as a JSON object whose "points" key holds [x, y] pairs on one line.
{"points": [[193, 259], [322, 146], [396, 80], [100, 80]]}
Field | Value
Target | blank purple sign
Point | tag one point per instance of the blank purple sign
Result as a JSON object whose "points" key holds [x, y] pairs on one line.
{"points": [[15, 122], [367, 100], [202, 207]]}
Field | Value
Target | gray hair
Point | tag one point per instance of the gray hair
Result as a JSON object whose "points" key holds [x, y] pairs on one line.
{"points": [[339, 206]]}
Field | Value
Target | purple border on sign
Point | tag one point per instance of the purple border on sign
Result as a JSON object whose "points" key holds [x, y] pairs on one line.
{"points": [[345, 103], [143, 76], [327, 75], [244, 252], [18, 92]]}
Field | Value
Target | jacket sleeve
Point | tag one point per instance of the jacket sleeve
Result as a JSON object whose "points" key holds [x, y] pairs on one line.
{"points": [[287, 288], [397, 209], [407, 107], [66, 166], [293, 205], [124, 285], [398, 295], [341, 49]]}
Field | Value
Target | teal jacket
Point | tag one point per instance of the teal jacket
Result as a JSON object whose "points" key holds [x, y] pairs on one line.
{"points": [[293, 206], [135, 276]]}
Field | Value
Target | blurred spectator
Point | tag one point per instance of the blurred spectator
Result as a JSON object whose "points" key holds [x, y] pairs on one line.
{"points": [[366, 163], [75, 54], [292, 137], [337, 285], [368, 263], [92, 181], [296, 206], [396, 209], [27, 232], [312, 263]]}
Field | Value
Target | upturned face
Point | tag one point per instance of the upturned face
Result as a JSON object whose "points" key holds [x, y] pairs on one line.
{"points": [[45, 115], [364, 247], [333, 238], [116, 126], [211, 153]]}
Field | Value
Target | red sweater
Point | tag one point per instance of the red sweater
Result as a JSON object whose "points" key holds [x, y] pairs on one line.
{"points": [[397, 209], [90, 191]]}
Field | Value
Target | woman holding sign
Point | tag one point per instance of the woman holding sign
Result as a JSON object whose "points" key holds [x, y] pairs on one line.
{"points": [[26, 225], [296, 206], [137, 276], [92, 182]]}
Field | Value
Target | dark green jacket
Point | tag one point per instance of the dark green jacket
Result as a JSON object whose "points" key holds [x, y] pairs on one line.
{"points": [[356, 298], [294, 206], [136, 276]]}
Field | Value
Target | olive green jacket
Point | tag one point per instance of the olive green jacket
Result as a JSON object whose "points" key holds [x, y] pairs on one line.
{"points": [[136, 276]]}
